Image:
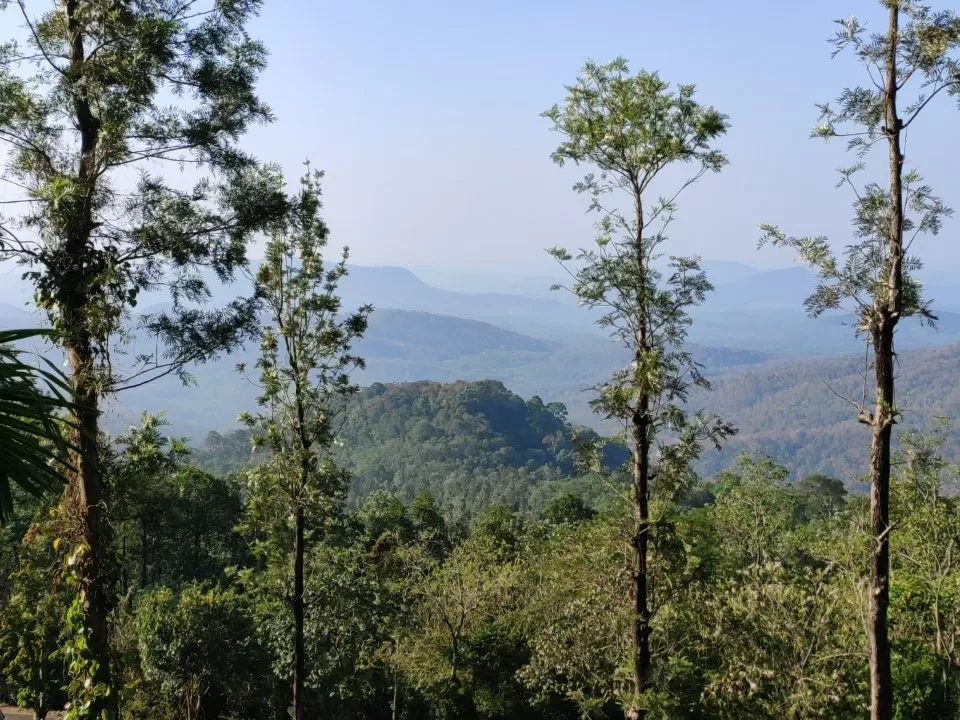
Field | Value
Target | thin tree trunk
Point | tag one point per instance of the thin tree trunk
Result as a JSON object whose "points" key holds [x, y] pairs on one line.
{"points": [[640, 625], [89, 505], [299, 543], [881, 686], [888, 311], [305, 448], [298, 645], [73, 304], [640, 628]]}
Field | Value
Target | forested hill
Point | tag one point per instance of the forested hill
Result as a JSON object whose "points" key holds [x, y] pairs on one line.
{"points": [[420, 337], [472, 443], [406, 436], [469, 443], [791, 410]]}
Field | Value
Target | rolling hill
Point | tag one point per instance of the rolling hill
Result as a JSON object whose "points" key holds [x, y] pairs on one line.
{"points": [[770, 386], [788, 409], [469, 443], [479, 442], [405, 346], [781, 407]]}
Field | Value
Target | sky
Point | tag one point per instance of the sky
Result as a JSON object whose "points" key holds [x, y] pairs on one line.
{"points": [[424, 115]]}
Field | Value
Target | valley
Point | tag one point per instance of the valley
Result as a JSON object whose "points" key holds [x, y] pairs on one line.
{"points": [[771, 367]]}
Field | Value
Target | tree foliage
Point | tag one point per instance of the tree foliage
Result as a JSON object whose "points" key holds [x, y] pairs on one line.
{"points": [[631, 129], [305, 371], [33, 444]]}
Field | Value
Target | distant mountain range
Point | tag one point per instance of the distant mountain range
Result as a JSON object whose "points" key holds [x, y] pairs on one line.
{"points": [[751, 335], [753, 309], [403, 345], [749, 309]]}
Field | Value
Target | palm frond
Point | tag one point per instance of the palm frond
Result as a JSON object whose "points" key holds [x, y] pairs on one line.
{"points": [[33, 401]]}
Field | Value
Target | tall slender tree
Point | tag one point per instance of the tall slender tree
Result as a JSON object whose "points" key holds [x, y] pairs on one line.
{"points": [[631, 128], [908, 65], [99, 98], [305, 371]]}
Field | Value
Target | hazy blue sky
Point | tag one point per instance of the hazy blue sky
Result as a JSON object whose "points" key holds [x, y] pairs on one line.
{"points": [[425, 116]]}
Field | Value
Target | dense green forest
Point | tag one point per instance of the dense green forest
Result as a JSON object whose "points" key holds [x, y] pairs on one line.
{"points": [[759, 612], [707, 542], [468, 445]]}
